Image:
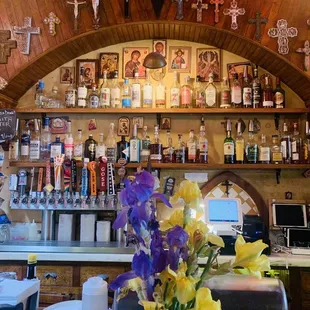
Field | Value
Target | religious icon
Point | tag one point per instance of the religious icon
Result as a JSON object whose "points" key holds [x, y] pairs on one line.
{"points": [[67, 75], [165, 123], [160, 47], [209, 61], [123, 126], [133, 58], [139, 121], [179, 59], [87, 71], [108, 62]]}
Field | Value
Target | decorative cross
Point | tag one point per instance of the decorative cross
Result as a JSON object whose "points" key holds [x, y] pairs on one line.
{"points": [[282, 33], [258, 21], [52, 20], [76, 4], [227, 185], [234, 12], [305, 50], [217, 10], [6, 45], [96, 18], [26, 31], [199, 6], [179, 15]]}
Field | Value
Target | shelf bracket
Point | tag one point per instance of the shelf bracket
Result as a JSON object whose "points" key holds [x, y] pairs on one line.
{"points": [[158, 117], [276, 120], [278, 175]]}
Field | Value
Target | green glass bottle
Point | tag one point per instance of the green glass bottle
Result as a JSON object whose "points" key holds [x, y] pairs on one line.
{"points": [[229, 145]]}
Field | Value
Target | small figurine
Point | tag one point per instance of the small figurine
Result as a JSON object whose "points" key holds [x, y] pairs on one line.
{"points": [[305, 50]]}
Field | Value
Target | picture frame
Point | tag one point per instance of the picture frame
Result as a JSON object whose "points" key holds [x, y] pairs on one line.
{"points": [[209, 60], [123, 128], [139, 121], [238, 67], [67, 75], [179, 59], [160, 46], [133, 58], [108, 62], [88, 69], [165, 123]]}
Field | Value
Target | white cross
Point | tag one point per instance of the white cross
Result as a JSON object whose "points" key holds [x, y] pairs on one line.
{"points": [[234, 12], [52, 20], [76, 4], [282, 33], [199, 6], [26, 31], [179, 15], [305, 50], [217, 10], [96, 18]]}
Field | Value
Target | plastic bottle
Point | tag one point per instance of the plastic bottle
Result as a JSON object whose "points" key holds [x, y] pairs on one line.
{"points": [[32, 231], [95, 294]]}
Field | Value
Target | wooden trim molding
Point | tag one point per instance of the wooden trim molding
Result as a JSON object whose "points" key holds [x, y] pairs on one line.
{"points": [[248, 187], [51, 59]]}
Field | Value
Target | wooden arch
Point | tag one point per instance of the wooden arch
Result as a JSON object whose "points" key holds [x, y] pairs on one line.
{"points": [[248, 187], [48, 61]]}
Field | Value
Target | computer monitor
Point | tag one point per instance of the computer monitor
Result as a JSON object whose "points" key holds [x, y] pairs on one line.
{"points": [[289, 215], [223, 213]]}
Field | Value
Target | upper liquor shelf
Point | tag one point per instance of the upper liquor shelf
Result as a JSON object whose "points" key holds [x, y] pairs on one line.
{"points": [[162, 111]]}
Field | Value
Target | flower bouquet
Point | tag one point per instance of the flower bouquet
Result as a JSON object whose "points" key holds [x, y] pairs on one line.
{"points": [[165, 268]]}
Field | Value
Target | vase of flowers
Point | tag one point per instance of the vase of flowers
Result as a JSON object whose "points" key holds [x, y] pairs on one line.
{"points": [[166, 272]]}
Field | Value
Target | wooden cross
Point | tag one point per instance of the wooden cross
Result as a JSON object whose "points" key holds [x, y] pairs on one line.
{"points": [[52, 20], [234, 12], [6, 45], [282, 33], [217, 10], [258, 21], [227, 185], [96, 18], [305, 50], [179, 15], [26, 31], [199, 6], [76, 12]]}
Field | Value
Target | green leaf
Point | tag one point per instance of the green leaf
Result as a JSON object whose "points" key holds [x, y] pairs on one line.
{"points": [[223, 269], [205, 252]]}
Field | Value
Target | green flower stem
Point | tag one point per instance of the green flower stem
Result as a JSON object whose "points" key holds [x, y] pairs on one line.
{"points": [[186, 215]]}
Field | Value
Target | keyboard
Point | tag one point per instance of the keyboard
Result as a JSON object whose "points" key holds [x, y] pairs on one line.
{"points": [[300, 251]]}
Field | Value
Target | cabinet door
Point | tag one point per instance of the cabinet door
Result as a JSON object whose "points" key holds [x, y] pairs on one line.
{"points": [[13, 268]]}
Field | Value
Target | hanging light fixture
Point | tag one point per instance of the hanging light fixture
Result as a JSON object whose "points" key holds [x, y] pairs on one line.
{"points": [[154, 60]]}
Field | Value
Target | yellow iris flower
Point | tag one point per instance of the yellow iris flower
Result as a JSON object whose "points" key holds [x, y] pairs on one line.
{"points": [[176, 218], [151, 305], [204, 300]]}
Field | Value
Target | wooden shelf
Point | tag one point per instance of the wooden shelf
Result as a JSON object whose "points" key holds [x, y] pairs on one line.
{"points": [[185, 166], [162, 111]]}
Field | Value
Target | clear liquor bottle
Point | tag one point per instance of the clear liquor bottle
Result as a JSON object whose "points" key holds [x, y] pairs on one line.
{"points": [[267, 94], [25, 143], [145, 148], [90, 148], [69, 143], [246, 90], [160, 94], [192, 148], [211, 93], [276, 152], [175, 92], [123, 149], [251, 149], [256, 90], [168, 150], [296, 145], [82, 91], [186, 93], [199, 94], [126, 94], [286, 145], [14, 144], [264, 151], [148, 91], [180, 152], [279, 95], [229, 145], [40, 94], [93, 98], [225, 94], [135, 146], [306, 144], [57, 148], [105, 92], [115, 92], [236, 92], [136, 91], [203, 145], [111, 145], [78, 146], [70, 96], [34, 152], [240, 147], [156, 147], [100, 147], [46, 140]]}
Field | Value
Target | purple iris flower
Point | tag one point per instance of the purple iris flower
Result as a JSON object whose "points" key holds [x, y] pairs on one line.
{"points": [[177, 237], [159, 254], [142, 265], [173, 258], [122, 218], [121, 280]]}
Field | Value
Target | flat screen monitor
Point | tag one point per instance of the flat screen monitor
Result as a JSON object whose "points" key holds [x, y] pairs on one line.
{"points": [[289, 215]]}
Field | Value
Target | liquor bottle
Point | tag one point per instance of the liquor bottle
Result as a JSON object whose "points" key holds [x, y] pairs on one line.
{"points": [[286, 145], [34, 151], [115, 92], [240, 147], [192, 148], [147, 91], [14, 144], [229, 145], [126, 95], [135, 146], [69, 143], [100, 147], [186, 93], [136, 91], [199, 94], [279, 95], [264, 152], [210, 93], [156, 147], [225, 94], [267, 94], [160, 94], [145, 145], [90, 148], [111, 145], [306, 145], [256, 90], [57, 148], [175, 92], [46, 139], [276, 153], [40, 93], [78, 146], [246, 90], [251, 149], [180, 152], [296, 145], [236, 92], [93, 97], [25, 143], [105, 92], [70, 96], [53, 99], [203, 145], [123, 149], [82, 91], [168, 151]]}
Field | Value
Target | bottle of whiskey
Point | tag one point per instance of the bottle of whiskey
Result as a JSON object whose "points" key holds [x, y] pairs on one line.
{"points": [[160, 94], [115, 92], [296, 145], [145, 145], [135, 146], [147, 91], [78, 146], [229, 145], [14, 145], [180, 152], [105, 92], [192, 148], [276, 153], [136, 91], [225, 94], [306, 145], [100, 148], [123, 149], [211, 93], [251, 149], [126, 95], [246, 90], [267, 94], [264, 152], [279, 95], [240, 147], [93, 97], [203, 145], [90, 148], [286, 145], [199, 94], [82, 91], [35, 141], [256, 90], [156, 147], [236, 92], [175, 92], [186, 94], [111, 145], [168, 151]]}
